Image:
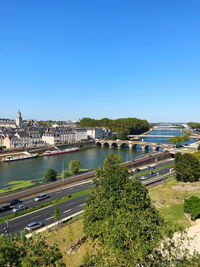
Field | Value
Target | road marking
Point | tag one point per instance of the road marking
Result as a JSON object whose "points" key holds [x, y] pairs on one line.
{"points": [[28, 201], [82, 205], [35, 217], [58, 192], [67, 211], [49, 218]]}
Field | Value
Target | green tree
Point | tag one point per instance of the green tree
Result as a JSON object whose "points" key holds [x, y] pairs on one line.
{"points": [[112, 159], [124, 226], [66, 173], [50, 175], [74, 166], [187, 167], [17, 250], [113, 137], [57, 214], [179, 139], [198, 147], [41, 132]]}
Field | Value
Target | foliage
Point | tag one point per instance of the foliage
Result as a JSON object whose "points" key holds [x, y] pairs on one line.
{"points": [[192, 206], [50, 175], [57, 214], [187, 167], [198, 147], [66, 173], [41, 132], [124, 126], [124, 227], [179, 139], [74, 166], [112, 159], [120, 215], [113, 137], [194, 124], [70, 234], [17, 250], [122, 136]]}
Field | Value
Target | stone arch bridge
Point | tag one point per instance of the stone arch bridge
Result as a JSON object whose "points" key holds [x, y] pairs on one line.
{"points": [[133, 144]]}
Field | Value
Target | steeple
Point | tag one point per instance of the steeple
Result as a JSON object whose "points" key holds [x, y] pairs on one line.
{"points": [[19, 119]]}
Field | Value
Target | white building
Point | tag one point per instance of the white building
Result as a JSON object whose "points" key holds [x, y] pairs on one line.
{"points": [[51, 138], [80, 134], [97, 133]]}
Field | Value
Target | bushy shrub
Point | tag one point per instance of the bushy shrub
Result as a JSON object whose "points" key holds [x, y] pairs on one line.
{"points": [[66, 173], [192, 206]]}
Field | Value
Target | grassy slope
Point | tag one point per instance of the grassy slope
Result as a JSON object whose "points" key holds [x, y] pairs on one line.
{"points": [[170, 202], [167, 200]]}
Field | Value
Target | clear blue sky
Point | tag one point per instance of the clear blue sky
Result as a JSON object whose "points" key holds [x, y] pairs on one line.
{"points": [[107, 58]]}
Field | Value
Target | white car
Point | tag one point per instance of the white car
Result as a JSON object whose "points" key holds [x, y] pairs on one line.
{"points": [[143, 178], [19, 207], [41, 197], [33, 226]]}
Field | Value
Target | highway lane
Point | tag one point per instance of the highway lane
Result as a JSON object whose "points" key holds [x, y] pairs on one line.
{"points": [[29, 202], [155, 174], [67, 208], [59, 193], [45, 215]]}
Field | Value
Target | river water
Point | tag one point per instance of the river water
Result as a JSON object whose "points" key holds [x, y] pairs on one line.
{"points": [[89, 157]]}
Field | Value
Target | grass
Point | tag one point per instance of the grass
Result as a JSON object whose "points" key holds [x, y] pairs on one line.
{"points": [[18, 185], [170, 201], [53, 202], [61, 237]]}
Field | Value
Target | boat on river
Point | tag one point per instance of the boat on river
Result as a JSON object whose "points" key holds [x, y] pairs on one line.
{"points": [[58, 151], [25, 155]]}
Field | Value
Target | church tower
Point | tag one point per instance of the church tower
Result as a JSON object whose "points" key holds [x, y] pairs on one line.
{"points": [[19, 119]]}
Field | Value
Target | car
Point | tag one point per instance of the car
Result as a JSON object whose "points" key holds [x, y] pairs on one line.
{"points": [[19, 207], [151, 173], [151, 167], [4, 208], [14, 202], [179, 146], [41, 197], [143, 178], [33, 226]]}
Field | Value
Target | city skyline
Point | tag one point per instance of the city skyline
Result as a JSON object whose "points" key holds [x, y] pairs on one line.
{"points": [[100, 59]]}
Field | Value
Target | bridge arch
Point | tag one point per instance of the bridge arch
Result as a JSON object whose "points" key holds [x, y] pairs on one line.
{"points": [[99, 144], [124, 145], [114, 144]]}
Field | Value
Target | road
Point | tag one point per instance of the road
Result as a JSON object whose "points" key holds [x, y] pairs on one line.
{"points": [[29, 202], [66, 209]]}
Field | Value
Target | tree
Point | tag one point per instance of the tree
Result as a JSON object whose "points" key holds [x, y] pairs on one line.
{"points": [[17, 250], [198, 147], [74, 166], [112, 159], [41, 132], [187, 167], [179, 139], [113, 137], [66, 173], [57, 214], [50, 175], [123, 225]]}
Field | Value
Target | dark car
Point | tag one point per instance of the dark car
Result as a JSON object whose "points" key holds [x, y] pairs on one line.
{"points": [[179, 146], [4, 208], [14, 202], [151, 173]]}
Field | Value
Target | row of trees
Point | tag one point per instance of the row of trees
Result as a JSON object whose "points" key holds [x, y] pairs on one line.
{"points": [[179, 139], [194, 124], [124, 227], [74, 168], [123, 126]]}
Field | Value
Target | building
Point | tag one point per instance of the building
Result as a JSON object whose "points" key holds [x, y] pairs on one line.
{"points": [[97, 133], [19, 122]]}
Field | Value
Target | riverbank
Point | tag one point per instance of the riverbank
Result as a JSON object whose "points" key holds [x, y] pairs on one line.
{"points": [[81, 177], [40, 150], [138, 137]]}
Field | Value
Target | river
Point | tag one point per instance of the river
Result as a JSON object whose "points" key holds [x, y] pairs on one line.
{"points": [[89, 157]]}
